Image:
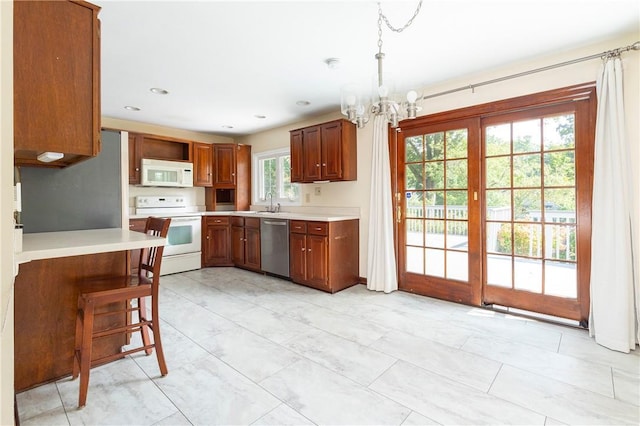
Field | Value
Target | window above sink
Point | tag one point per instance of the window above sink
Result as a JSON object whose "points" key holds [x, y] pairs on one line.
{"points": [[272, 179]]}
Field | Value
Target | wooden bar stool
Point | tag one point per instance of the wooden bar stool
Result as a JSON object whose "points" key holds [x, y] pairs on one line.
{"points": [[122, 290]]}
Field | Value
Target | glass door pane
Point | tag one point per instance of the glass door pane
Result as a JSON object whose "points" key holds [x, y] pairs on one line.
{"points": [[436, 204], [530, 206]]}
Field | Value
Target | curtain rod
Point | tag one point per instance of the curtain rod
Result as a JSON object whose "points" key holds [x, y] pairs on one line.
{"points": [[608, 53]]}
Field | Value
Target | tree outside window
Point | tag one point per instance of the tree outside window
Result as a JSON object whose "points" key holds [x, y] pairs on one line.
{"points": [[273, 178]]}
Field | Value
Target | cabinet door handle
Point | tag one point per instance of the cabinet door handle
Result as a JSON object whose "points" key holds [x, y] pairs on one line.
{"points": [[303, 249], [318, 165], [217, 221], [318, 229], [324, 164], [308, 249]]}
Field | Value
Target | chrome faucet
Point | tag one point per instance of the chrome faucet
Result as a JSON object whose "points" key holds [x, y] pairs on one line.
{"points": [[270, 208]]}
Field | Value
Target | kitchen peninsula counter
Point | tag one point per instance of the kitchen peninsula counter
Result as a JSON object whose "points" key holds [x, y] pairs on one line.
{"points": [[50, 245], [54, 268]]}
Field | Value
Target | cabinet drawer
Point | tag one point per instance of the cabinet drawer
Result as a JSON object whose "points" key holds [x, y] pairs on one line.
{"points": [[298, 226], [237, 221], [217, 220], [318, 228], [252, 222]]}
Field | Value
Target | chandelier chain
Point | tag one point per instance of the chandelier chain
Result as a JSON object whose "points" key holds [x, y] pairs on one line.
{"points": [[391, 27], [379, 28]]}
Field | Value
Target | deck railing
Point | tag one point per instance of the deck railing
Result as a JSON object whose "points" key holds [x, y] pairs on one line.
{"points": [[559, 240]]}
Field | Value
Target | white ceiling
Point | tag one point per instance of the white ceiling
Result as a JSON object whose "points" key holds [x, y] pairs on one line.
{"points": [[224, 62]]}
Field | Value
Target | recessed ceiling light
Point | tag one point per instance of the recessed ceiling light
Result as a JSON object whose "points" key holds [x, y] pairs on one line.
{"points": [[158, 91], [131, 108], [332, 63], [303, 103], [226, 126], [260, 116]]}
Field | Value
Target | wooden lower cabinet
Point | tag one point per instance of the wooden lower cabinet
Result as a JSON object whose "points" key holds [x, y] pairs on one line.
{"points": [[324, 255], [46, 300], [216, 241], [245, 242]]}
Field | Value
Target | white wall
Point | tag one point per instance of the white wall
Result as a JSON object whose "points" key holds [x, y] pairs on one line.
{"points": [[6, 213], [356, 194]]}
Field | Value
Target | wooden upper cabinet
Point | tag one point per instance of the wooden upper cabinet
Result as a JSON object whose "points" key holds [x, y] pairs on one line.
{"points": [[135, 156], [224, 165], [231, 178], [243, 177], [324, 152], [332, 149], [56, 60], [203, 164], [297, 169], [312, 153], [166, 148]]}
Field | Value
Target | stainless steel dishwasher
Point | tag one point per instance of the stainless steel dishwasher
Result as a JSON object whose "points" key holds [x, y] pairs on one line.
{"points": [[274, 246]]}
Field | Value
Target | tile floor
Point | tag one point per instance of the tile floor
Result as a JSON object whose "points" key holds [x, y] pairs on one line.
{"points": [[245, 349]]}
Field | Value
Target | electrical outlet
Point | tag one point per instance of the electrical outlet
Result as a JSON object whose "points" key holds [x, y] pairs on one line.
{"points": [[307, 198], [317, 190]]}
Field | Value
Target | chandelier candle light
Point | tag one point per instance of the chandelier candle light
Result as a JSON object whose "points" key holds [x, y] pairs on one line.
{"points": [[355, 104]]}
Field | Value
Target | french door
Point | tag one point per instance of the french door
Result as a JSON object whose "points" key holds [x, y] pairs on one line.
{"points": [[439, 211], [494, 208]]}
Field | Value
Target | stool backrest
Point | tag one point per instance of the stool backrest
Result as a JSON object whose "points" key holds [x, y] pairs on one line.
{"points": [[151, 257]]}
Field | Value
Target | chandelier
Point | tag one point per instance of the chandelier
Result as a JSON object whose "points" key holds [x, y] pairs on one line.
{"points": [[355, 103]]}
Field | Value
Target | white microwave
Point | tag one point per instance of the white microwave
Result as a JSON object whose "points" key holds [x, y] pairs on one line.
{"points": [[166, 173]]}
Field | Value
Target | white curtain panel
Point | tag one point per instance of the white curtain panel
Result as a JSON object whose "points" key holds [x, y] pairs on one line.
{"points": [[381, 260], [614, 283]]}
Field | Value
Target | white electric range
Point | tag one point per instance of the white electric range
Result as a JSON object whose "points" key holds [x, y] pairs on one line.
{"points": [[183, 251]]}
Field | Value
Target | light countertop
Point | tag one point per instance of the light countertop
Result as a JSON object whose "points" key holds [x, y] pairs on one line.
{"points": [[322, 217], [48, 245]]}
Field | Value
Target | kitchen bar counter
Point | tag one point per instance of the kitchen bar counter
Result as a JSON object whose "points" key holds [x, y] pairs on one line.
{"points": [[51, 245], [55, 267]]}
